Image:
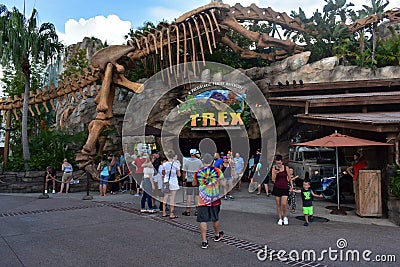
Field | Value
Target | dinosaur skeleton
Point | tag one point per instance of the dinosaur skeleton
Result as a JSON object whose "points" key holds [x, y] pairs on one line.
{"points": [[186, 40]]}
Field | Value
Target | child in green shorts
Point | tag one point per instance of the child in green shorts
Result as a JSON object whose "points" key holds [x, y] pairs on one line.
{"points": [[307, 196]]}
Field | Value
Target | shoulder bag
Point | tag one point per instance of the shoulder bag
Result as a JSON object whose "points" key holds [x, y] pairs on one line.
{"points": [[165, 187]]}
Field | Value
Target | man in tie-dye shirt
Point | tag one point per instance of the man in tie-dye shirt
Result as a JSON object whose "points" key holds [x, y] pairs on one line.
{"points": [[209, 201]]}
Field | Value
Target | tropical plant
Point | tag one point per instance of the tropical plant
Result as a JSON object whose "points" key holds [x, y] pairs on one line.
{"points": [[49, 147], [377, 8], [388, 52], [75, 64], [14, 80], [345, 50], [23, 42], [394, 183], [331, 31]]}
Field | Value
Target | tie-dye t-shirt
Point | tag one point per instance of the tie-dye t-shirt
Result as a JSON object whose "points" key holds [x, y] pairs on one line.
{"points": [[208, 180]]}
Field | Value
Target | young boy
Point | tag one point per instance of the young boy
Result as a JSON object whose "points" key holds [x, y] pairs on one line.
{"points": [[306, 197]]}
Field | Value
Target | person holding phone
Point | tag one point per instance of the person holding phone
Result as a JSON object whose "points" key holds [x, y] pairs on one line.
{"points": [[281, 179]]}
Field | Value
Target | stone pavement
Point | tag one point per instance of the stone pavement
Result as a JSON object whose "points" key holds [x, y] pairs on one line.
{"points": [[65, 230]]}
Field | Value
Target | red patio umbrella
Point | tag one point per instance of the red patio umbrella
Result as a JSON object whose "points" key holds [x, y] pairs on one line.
{"points": [[340, 140]]}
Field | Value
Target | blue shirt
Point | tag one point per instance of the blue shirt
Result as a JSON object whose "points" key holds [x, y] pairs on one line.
{"points": [[104, 171], [218, 163], [114, 167], [239, 163], [67, 168], [251, 162]]}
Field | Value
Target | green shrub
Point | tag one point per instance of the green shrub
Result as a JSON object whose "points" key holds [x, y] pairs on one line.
{"points": [[48, 148], [395, 183]]}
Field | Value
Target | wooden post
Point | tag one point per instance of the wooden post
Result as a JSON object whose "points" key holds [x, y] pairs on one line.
{"points": [[88, 196], [7, 138]]}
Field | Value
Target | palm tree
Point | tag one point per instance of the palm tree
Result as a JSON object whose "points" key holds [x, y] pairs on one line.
{"points": [[23, 42], [377, 8]]}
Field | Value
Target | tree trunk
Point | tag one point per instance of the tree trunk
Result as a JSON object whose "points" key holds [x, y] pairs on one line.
{"points": [[374, 40], [362, 42], [25, 146]]}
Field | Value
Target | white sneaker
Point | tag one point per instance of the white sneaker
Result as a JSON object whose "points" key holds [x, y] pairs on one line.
{"points": [[280, 222], [45, 191], [285, 221], [53, 192], [143, 210]]}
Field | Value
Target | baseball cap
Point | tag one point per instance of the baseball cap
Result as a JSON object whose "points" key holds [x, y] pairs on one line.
{"points": [[193, 151]]}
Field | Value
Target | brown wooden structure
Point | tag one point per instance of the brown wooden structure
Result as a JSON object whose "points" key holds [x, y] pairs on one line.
{"points": [[364, 105], [368, 193]]}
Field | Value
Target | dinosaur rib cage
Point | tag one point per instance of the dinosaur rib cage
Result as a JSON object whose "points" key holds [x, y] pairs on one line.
{"points": [[197, 32], [179, 42]]}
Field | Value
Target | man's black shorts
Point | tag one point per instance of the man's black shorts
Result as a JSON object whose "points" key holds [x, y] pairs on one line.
{"points": [[208, 213]]}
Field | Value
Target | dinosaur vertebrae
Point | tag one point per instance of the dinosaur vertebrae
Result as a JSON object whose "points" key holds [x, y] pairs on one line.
{"points": [[179, 42], [69, 86], [392, 15]]}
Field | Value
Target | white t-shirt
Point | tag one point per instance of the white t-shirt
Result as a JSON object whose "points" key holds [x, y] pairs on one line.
{"points": [[173, 179], [147, 172]]}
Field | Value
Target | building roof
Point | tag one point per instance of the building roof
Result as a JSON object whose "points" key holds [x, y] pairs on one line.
{"points": [[373, 121]]}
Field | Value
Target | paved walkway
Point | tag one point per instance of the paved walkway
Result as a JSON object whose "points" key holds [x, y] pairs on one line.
{"points": [[65, 230]]}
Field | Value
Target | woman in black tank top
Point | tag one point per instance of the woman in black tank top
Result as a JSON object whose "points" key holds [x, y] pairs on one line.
{"points": [[280, 177]]}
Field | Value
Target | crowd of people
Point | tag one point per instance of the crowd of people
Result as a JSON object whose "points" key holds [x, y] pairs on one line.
{"points": [[206, 180], [169, 170]]}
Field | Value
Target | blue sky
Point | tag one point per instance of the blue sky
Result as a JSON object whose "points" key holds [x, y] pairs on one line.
{"points": [[111, 20]]}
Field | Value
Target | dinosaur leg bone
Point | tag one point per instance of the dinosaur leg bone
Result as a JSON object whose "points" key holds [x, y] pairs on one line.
{"points": [[94, 128], [102, 107]]}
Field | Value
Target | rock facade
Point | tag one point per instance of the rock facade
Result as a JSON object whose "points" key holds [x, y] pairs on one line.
{"points": [[33, 182]]}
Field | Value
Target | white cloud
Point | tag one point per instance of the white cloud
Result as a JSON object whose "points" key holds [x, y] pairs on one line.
{"points": [[111, 29]]}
